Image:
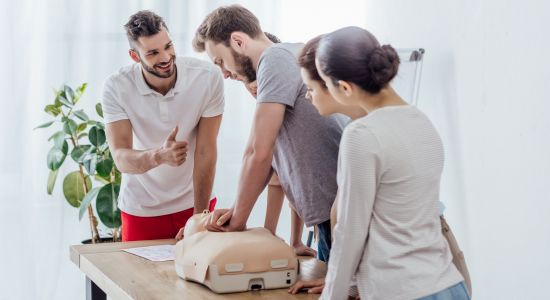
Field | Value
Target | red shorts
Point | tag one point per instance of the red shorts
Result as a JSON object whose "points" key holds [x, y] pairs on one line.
{"points": [[136, 228]]}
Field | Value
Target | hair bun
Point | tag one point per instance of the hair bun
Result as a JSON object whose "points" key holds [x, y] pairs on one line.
{"points": [[382, 64]]}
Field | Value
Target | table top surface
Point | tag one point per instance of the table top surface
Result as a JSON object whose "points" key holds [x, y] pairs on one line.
{"points": [[122, 275]]}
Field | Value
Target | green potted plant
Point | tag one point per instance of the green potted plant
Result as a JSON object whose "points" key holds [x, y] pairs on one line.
{"points": [[95, 179]]}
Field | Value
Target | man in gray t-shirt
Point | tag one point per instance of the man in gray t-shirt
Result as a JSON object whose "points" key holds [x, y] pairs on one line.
{"points": [[287, 130], [306, 151]]}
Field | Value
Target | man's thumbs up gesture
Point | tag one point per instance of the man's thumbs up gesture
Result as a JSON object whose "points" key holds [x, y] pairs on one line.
{"points": [[172, 152]]}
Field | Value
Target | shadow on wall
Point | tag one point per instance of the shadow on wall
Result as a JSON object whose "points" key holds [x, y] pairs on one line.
{"points": [[453, 181]]}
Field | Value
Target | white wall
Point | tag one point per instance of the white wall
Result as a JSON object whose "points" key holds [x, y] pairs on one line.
{"points": [[484, 85]]}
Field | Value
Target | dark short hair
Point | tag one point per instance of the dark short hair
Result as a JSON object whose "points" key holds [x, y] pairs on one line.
{"points": [[272, 37], [354, 54], [143, 23], [306, 59], [223, 21]]}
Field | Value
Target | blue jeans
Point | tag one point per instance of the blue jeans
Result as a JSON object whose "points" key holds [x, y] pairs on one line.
{"points": [[324, 243], [455, 292]]}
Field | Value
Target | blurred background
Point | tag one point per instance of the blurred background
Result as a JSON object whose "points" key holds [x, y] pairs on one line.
{"points": [[484, 85]]}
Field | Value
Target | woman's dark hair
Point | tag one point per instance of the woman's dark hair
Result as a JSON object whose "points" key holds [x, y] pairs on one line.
{"points": [[353, 54], [272, 37], [306, 59]]}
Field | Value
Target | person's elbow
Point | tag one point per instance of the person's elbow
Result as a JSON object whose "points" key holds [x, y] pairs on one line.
{"points": [[260, 155], [118, 157]]}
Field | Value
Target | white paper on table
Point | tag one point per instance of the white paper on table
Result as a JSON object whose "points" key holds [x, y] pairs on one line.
{"points": [[154, 253]]}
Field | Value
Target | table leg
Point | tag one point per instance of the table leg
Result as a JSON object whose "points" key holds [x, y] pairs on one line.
{"points": [[93, 292]]}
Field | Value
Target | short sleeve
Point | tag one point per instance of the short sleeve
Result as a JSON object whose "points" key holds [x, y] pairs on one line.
{"points": [[112, 110], [278, 77], [216, 100]]}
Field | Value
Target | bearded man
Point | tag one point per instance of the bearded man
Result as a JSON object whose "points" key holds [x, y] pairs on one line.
{"points": [[162, 116], [288, 134]]}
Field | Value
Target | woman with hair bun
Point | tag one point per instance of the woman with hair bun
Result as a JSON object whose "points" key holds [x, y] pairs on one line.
{"points": [[388, 232]]}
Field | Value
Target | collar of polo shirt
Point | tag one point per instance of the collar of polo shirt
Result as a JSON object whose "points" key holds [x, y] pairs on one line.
{"points": [[144, 88]]}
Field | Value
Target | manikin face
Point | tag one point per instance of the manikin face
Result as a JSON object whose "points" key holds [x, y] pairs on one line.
{"points": [[319, 95], [156, 54], [232, 64]]}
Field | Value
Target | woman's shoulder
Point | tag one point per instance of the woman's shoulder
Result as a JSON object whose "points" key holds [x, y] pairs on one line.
{"points": [[361, 132]]}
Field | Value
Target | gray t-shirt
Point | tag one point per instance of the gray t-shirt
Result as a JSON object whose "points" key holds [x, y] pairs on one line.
{"points": [[306, 152]]}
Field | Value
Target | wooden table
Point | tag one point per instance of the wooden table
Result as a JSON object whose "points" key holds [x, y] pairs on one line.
{"points": [[122, 275]]}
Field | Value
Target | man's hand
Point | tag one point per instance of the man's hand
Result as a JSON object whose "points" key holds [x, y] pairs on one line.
{"points": [[314, 286], [221, 220], [172, 152], [302, 250], [218, 218]]}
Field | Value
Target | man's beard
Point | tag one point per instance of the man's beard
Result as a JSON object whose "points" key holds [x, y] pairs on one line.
{"points": [[153, 71], [246, 67]]}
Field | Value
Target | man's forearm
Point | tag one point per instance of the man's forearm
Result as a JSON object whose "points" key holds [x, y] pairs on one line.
{"points": [[136, 161], [254, 178], [204, 172]]}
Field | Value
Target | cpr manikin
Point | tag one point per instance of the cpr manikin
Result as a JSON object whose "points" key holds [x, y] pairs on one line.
{"points": [[234, 261]]}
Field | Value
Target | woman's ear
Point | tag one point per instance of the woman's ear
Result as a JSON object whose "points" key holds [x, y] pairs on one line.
{"points": [[345, 87]]}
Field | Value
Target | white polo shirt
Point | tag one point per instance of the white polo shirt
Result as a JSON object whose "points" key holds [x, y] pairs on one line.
{"points": [[198, 92]]}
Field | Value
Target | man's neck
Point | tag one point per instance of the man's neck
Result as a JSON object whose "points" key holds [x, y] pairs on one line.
{"points": [[158, 84], [257, 49]]}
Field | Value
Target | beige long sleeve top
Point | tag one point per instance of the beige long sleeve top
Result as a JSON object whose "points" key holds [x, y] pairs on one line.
{"points": [[388, 232]]}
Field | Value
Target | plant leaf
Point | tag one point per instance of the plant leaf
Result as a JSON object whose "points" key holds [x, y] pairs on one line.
{"points": [[65, 147], [63, 100], [99, 109], [92, 135], [47, 124], [103, 148], [90, 164], [73, 188], [69, 93], [78, 153], [92, 194], [104, 167], [107, 205], [56, 101], [52, 110], [81, 115], [81, 88], [51, 180], [96, 136], [58, 139], [101, 179], [55, 158], [70, 127], [118, 176], [82, 135], [81, 127]]}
